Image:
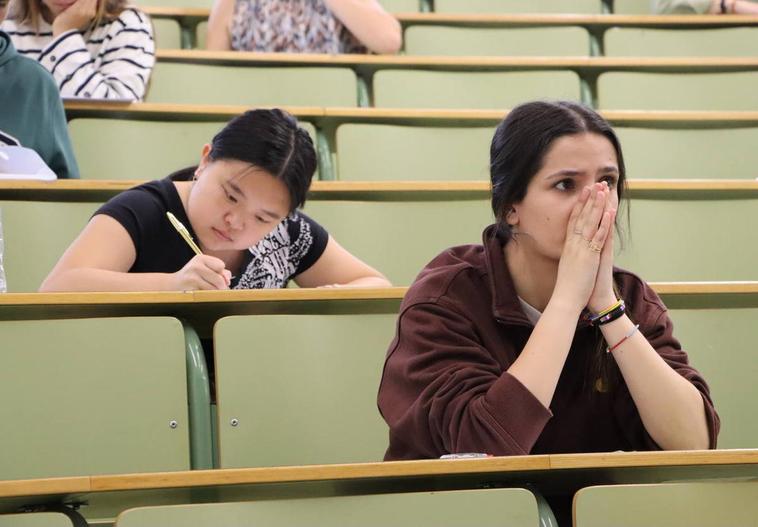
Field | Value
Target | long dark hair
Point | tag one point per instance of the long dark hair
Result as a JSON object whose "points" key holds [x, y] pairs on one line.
{"points": [[270, 140], [517, 153], [523, 138]]}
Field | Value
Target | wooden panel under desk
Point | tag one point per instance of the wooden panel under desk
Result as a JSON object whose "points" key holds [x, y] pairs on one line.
{"points": [[518, 20], [203, 308], [548, 473]]}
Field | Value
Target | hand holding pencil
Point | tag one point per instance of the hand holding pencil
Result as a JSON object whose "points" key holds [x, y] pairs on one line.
{"points": [[203, 271]]}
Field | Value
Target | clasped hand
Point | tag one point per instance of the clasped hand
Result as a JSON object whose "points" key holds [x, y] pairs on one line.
{"points": [[585, 271]]}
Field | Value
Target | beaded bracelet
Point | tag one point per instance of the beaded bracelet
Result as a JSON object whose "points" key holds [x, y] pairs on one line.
{"points": [[620, 342]]}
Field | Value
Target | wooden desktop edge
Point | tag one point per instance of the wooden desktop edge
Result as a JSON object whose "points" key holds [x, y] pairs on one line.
{"points": [[377, 470], [148, 108], [305, 295]]}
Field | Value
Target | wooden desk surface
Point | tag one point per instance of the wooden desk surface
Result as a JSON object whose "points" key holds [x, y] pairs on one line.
{"points": [[101, 190], [424, 117], [371, 63], [203, 308], [519, 20], [557, 472]]}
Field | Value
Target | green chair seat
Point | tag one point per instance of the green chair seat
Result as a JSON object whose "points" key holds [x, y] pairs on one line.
{"points": [[711, 504], [42, 229], [720, 344], [443, 40], [712, 153], [517, 6], [300, 389], [168, 33], [93, 396], [678, 91], [254, 86], [645, 42], [489, 507], [105, 147], [368, 152], [470, 90]]}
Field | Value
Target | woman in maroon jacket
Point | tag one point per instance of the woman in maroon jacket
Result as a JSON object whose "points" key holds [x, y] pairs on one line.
{"points": [[533, 342]]}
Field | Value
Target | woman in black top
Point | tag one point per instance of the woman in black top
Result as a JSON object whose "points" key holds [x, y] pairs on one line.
{"points": [[240, 206]]}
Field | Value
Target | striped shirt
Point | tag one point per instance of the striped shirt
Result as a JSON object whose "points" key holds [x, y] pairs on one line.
{"points": [[112, 61]]}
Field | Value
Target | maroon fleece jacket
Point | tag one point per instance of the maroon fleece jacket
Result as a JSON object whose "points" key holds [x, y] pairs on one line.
{"points": [[445, 388]]}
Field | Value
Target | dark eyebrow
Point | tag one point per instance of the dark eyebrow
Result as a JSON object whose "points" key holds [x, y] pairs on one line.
{"points": [[566, 172]]}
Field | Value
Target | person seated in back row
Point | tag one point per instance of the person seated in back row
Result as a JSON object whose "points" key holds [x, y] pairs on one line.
{"points": [[533, 342], [710, 7], [31, 113], [303, 26], [99, 49], [240, 205]]}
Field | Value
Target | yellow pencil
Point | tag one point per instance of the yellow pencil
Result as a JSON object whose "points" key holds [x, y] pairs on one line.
{"points": [[182, 230]]}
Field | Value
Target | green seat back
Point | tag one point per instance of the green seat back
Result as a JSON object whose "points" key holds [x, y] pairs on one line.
{"points": [[255, 86], [714, 153], [704, 504], [93, 396], [632, 7], [401, 6], [201, 34], [721, 345], [678, 91], [483, 507], [470, 90], [417, 230], [644, 42], [105, 148], [199, 4], [36, 235], [688, 239], [35, 519], [168, 33], [369, 152], [443, 40], [301, 388], [517, 6]]}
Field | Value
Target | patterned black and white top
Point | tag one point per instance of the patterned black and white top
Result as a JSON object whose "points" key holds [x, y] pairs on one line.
{"points": [[112, 61], [294, 26], [291, 248]]}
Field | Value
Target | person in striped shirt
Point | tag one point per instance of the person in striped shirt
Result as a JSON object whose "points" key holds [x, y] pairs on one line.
{"points": [[94, 49]]}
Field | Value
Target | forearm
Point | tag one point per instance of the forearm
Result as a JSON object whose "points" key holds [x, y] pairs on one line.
{"points": [[539, 365], [369, 281], [379, 31], [671, 408], [84, 279]]}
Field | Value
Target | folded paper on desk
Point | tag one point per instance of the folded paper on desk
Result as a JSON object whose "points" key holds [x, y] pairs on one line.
{"points": [[17, 162]]}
